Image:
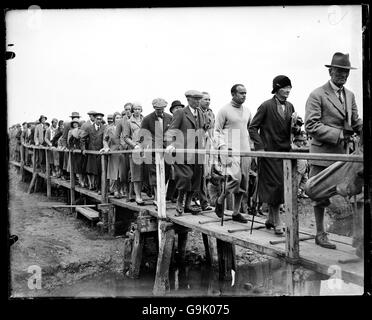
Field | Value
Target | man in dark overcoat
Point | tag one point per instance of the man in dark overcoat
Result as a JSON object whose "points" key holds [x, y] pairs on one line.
{"points": [[92, 139], [331, 117], [270, 130], [187, 131], [151, 135]]}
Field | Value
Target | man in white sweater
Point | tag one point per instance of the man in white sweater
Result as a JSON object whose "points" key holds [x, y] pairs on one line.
{"points": [[231, 133]]}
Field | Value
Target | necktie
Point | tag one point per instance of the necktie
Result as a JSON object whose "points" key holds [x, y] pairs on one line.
{"points": [[340, 97]]}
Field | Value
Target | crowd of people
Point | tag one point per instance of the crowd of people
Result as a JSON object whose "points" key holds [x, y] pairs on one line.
{"points": [[198, 182]]}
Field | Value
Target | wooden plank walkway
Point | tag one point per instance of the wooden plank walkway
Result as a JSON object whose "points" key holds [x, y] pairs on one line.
{"points": [[311, 256]]}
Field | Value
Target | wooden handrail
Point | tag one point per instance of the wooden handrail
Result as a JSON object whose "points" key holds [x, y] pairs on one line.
{"points": [[257, 154]]}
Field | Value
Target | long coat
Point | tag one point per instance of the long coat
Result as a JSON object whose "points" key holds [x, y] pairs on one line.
{"points": [[186, 132], [93, 140], [39, 134], [115, 161], [274, 135], [325, 118], [148, 139]]}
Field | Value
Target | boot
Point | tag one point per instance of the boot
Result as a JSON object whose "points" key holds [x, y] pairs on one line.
{"points": [[321, 239], [179, 205], [188, 207]]}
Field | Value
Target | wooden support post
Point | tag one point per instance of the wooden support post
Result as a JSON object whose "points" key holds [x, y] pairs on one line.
{"points": [[182, 241], [160, 190], [291, 211], [104, 184], [136, 258], [72, 183], [161, 284], [210, 249], [111, 220], [226, 259], [128, 247], [34, 173], [47, 172], [22, 162]]}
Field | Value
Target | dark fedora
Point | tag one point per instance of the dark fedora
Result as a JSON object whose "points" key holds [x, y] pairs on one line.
{"points": [[340, 60], [176, 103]]}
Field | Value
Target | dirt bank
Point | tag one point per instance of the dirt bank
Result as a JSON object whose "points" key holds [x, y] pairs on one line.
{"points": [[68, 249]]}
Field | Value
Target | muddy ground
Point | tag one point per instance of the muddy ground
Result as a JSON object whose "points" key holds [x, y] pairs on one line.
{"points": [[68, 249]]}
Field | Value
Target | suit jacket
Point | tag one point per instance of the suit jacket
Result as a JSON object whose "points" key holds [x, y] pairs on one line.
{"points": [[147, 132], [185, 133], [325, 119], [39, 134], [92, 139], [48, 135]]}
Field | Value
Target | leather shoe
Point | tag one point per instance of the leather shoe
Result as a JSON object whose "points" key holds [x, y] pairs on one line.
{"points": [[278, 230], [269, 225], [191, 210], [219, 209], [179, 210], [239, 218], [206, 208], [321, 239], [140, 202]]}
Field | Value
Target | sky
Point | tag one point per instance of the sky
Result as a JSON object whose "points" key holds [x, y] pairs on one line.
{"points": [[79, 60]]}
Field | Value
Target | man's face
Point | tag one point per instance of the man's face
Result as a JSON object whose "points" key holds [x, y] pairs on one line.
{"points": [[159, 111], [240, 95], [205, 101], [98, 120], [128, 110], [25, 126], [92, 117], [54, 124], [339, 76], [283, 93], [193, 102], [43, 120]]}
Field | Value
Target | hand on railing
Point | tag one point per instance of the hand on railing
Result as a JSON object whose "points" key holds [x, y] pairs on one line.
{"points": [[170, 149], [226, 159], [104, 150]]}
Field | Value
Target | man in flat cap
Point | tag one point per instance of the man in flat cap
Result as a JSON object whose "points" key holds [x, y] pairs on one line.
{"points": [[270, 130], [331, 117], [231, 133], [187, 131], [151, 135]]}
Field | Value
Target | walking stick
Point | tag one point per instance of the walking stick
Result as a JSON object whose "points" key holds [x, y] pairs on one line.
{"points": [[256, 196]]}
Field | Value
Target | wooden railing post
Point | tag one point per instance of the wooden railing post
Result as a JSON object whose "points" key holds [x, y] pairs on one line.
{"points": [[22, 150], [104, 188], [160, 184], [72, 180], [291, 209], [47, 172]]}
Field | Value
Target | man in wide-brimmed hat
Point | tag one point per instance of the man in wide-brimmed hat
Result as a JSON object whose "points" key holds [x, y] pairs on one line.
{"points": [[331, 117]]}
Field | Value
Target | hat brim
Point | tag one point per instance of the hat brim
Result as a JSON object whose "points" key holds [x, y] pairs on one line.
{"points": [[337, 66]]}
